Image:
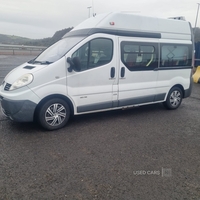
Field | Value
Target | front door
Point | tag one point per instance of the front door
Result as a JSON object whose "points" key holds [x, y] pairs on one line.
{"points": [[91, 86], [137, 71]]}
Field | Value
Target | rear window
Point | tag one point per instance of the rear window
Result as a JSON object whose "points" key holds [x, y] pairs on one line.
{"points": [[175, 55]]}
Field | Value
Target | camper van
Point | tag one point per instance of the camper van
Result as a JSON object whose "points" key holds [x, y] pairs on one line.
{"points": [[110, 61]]}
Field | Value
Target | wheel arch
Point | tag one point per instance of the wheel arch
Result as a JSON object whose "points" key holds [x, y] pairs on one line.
{"points": [[51, 97], [179, 86]]}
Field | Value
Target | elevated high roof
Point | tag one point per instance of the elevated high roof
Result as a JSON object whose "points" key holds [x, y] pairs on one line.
{"points": [[167, 28]]}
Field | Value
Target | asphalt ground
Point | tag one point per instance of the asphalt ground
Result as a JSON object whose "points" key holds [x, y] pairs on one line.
{"points": [[144, 153]]}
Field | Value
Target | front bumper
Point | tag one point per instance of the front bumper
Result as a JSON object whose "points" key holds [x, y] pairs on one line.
{"points": [[18, 110]]}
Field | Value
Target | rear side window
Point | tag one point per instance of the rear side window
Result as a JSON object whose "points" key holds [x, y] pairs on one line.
{"points": [[94, 53], [139, 56], [175, 55]]}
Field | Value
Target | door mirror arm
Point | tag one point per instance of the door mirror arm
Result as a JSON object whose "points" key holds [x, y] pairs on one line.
{"points": [[69, 60]]}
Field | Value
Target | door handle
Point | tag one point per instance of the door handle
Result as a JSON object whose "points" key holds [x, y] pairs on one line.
{"points": [[122, 72], [112, 72]]}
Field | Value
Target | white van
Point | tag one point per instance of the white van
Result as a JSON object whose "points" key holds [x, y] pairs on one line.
{"points": [[111, 61]]}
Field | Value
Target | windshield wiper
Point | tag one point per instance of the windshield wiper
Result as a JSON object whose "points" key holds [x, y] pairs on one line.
{"points": [[31, 61]]}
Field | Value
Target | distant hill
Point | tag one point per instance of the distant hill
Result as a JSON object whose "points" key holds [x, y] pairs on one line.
{"points": [[15, 40], [12, 39]]}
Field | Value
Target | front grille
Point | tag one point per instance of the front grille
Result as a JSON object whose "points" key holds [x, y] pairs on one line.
{"points": [[7, 86]]}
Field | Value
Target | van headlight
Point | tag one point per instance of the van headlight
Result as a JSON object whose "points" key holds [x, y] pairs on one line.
{"points": [[22, 81]]}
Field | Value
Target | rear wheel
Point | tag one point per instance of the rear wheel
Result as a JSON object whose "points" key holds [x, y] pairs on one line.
{"points": [[174, 98], [54, 114]]}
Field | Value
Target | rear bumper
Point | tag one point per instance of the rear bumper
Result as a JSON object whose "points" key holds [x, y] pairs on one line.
{"points": [[188, 92]]}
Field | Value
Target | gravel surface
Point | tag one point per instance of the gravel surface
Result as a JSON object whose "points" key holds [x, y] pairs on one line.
{"points": [[144, 153]]}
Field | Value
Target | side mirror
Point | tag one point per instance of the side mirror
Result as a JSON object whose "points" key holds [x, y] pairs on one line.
{"points": [[75, 64]]}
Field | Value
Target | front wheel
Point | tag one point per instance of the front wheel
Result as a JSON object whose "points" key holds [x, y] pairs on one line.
{"points": [[174, 98], [54, 114]]}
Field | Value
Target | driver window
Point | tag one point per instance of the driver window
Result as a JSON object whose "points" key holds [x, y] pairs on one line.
{"points": [[94, 53]]}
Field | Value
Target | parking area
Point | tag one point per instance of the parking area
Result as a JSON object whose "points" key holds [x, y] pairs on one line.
{"points": [[142, 153]]}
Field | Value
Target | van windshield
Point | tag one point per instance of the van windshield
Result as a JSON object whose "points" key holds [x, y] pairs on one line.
{"points": [[56, 51]]}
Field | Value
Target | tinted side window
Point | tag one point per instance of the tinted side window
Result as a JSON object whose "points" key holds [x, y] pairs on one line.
{"points": [[94, 53], [139, 56], [175, 55]]}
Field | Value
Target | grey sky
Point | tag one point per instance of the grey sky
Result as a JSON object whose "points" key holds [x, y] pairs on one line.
{"points": [[41, 18]]}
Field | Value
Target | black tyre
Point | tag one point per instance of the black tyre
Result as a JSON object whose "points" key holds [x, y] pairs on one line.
{"points": [[174, 98], [54, 114]]}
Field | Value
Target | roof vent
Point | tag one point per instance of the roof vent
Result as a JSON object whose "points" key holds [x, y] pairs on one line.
{"points": [[178, 18]]}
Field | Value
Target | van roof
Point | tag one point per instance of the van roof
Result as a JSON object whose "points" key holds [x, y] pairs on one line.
{"points": [[131, 23]]}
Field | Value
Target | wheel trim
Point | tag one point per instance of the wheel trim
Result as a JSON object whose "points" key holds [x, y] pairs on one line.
{"points": [[175, 98], [55, 114]]}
